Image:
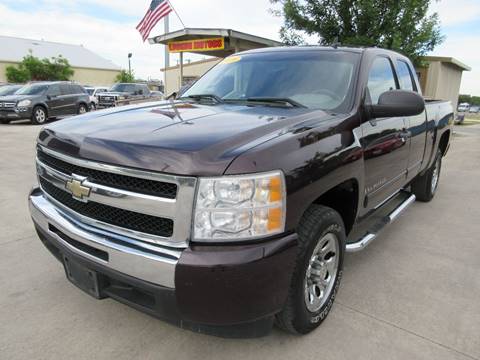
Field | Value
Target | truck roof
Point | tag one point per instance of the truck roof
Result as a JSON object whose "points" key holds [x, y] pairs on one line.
{"points": [[358, 50]]}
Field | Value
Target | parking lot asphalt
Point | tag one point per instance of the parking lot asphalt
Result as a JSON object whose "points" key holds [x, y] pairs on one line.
{"points": [[412, 294]]}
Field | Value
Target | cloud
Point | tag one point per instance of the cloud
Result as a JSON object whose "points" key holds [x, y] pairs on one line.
{"points": [[453, 12]]}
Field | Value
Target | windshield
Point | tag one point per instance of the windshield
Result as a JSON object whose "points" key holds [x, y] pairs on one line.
{"points": [[129, 88], [35, 89], [89, 91], [315, 79], [9, 90]]}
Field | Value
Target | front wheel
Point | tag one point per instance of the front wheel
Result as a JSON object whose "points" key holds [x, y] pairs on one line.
{"points": [[318, 270], [425, 186], [82, 109], [39, 116], [93, 107]]}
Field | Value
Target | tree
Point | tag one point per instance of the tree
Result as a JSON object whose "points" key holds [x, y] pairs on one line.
{"points": [[472, 100], [401, 25], [16, 75], [32, 68], [125, 77]]}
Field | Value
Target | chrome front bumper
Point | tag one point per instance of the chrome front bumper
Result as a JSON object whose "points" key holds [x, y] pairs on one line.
{"points": [[146, 262]]}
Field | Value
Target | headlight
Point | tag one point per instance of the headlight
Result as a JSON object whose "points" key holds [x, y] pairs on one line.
{"points": [[234, 208], [24, 103]]}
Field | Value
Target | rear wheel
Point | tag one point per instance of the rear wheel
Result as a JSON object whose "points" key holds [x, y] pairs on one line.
{"points": [[39, 115], [318, 270], [425, 186]]}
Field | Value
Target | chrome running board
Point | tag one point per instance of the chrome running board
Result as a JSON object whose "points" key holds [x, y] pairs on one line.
{"points": [[364, 241]]}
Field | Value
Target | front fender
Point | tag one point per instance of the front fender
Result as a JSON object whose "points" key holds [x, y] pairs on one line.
{"points": [[314, 161]]}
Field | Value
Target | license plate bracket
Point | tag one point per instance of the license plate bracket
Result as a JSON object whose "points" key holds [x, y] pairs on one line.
{"points": [[82, 277]]}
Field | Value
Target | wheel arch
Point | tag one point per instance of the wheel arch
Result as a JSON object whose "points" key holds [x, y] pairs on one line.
{"points": [[42, 105], [343, 198], [444, 142]]}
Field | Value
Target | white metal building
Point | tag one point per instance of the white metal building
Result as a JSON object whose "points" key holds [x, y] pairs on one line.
{"points": [[89, 67]]}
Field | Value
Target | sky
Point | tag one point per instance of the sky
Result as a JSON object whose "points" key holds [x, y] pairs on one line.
{"points": [[107, 27]]}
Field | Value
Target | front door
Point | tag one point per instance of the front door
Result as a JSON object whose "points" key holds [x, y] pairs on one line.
{"points": [[384, 140]]}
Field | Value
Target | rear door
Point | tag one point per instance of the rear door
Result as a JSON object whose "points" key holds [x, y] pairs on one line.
{"points": [[55, 101], [68, 94], [384, 141], [416, 125]]}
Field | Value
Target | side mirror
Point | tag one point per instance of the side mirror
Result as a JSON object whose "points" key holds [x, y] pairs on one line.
{"points": [[395, 103], [140, 92], [172, 96], [49, 97]]}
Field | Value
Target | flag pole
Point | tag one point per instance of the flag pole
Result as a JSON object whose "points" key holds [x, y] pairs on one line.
{"points": [[176, 13], [167, 54]]}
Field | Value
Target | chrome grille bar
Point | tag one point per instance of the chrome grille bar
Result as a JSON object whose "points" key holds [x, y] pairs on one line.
{"points": [[179, 210]]}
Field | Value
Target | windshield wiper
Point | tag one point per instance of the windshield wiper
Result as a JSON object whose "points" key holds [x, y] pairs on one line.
{"points": [[272, 100], [197, 97]]}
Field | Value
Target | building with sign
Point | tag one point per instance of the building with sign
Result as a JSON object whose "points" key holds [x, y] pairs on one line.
{"points": [[218, 43]]}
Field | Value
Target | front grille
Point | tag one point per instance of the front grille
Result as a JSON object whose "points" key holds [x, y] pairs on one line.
{"points": [[106, 99], [123, 218], [130, 183]]}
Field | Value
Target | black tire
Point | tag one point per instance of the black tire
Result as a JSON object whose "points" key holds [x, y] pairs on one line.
{"points": [[82, 109], [318, 222], [39, 115], [425, 186]]}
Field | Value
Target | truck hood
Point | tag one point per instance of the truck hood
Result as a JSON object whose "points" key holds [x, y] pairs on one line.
{"points": [[179, 138]]}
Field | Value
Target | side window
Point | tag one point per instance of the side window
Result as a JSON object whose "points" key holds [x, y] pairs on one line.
{"points": [[380, 79], [54, 90], [78, 90], [66, 89], [146, 90], [404, 76]]}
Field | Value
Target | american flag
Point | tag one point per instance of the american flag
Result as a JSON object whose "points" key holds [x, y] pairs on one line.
{"points": [[158, 10]]}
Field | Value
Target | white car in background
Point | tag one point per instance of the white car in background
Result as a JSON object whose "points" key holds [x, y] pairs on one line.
{"points": [[463, 107], [94, 91]]}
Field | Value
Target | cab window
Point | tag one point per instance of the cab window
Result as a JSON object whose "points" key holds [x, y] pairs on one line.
{"points": [[380, 79], [405, 76]]}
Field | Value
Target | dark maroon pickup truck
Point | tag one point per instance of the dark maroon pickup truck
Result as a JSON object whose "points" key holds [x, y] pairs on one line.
{"points": [[233, 206]]}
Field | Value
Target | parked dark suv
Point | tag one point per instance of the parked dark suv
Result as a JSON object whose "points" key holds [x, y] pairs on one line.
{"points": [[43, 100], [123, 91]]}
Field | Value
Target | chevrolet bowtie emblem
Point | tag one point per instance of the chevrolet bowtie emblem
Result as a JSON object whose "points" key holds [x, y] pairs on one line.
{"points": [[77, 189]]}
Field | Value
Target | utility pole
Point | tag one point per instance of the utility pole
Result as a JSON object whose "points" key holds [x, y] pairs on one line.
{"points": [[129, 64]]}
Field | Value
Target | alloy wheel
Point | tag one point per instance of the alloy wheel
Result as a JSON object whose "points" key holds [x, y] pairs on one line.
{"points": [[321, 272]]}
